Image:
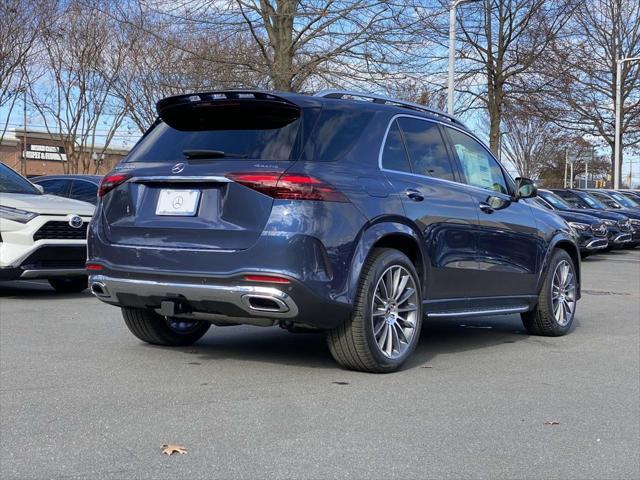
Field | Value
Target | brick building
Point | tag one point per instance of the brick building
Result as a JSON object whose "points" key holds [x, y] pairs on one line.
{"points": [[45, 154]]}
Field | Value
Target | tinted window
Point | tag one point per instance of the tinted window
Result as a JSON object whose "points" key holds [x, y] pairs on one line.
{"points": [[605, 199], [58, 186], [572, 199], [591, 201], [336, 132], [555, 200], [479, 167], [11, 182], [166, 144], [394, 155], [426, 148], [85, 191]]}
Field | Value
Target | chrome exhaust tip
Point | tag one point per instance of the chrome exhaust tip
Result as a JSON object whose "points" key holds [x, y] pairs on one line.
{"points": [[264, 303], [99, 289]]}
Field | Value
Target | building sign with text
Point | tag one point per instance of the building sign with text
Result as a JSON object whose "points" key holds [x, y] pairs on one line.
{"points": [[45, 152]]}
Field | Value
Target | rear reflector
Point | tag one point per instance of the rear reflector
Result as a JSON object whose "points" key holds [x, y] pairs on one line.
{"points": [[265, 279], [111, 181], [95, 267], [289, 186]]}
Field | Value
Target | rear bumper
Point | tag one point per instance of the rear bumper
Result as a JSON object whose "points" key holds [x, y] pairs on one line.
{"points": [[221, 300]]}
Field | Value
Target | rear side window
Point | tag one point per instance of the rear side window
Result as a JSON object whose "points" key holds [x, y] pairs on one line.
{"points": [[426, 148], [336, 133], [85, 191], [58, 186], [394, 155]]}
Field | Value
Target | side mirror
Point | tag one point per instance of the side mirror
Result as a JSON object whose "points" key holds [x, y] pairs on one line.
{"points": [[525, 188], [39, 187]]}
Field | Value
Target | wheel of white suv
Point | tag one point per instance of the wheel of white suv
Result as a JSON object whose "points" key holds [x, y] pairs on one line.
{"points": [[384, 327], [557, 301], [152, 328], [69, 285]]}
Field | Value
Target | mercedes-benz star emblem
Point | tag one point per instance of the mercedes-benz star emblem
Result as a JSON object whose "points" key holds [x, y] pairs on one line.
{"points": [[75, 221], [177, 202], [178, 167]]}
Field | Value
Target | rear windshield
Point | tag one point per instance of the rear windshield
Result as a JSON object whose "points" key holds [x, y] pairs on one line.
{"points": [[166, 144], [335, 132]]}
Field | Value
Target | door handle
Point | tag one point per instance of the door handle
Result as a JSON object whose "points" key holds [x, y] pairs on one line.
{"points": [[485, 207], [414, 194]]}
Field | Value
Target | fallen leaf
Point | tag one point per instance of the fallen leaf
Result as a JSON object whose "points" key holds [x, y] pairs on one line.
{"points": [[552, 422], [170, 449], [340, 383], [426, 366]]}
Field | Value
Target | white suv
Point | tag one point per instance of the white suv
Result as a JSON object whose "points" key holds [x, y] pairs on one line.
{"points": [[41, 236]]}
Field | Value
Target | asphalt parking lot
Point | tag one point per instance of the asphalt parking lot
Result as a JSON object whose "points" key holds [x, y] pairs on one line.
{"points": [[80, 397]]}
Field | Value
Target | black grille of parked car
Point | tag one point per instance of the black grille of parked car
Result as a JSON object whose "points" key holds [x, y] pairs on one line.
{"points": [[59, 230], [624, 226], [599, 229]]}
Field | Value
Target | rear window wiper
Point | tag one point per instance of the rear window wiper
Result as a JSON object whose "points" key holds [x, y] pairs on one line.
{"points": [[211, 154]]}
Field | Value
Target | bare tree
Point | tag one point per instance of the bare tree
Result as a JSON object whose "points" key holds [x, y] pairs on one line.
{"points": [[529, 141], [176, 63], [300, 43], [579, 86], [75, 98], [19, 27], [500, 42]]}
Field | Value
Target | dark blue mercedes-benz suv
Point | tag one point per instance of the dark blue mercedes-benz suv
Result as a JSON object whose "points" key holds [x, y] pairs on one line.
{"points": [[353, 214]]}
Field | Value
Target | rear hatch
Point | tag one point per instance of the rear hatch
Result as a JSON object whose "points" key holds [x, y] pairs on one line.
{"points": [[176, 188]]}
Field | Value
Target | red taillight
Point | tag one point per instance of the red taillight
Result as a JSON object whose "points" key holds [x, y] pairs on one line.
{"points": [[289, 186], [266, 279], [94, 267], [111, 181]]}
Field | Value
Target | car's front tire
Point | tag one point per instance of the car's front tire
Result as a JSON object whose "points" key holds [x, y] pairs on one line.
{"points": [[155, 329], [69, 285], [557, 301], [384, 327]]}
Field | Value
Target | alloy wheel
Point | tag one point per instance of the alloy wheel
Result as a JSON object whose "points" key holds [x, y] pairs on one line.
{"points": [[563, 293], [394, 311]]}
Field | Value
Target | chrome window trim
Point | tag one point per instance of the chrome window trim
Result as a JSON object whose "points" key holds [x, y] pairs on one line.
{"points": [[470, 135]]}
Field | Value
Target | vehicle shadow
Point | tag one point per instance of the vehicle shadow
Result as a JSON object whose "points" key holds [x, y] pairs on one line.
{"points": [[309, 350], [33, 290]]}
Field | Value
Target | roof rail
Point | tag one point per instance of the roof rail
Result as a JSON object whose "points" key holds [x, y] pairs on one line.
{"points": [[331, 93]]}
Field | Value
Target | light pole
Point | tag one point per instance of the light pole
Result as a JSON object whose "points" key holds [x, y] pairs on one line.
{"points": [[452, 50], [618, 132]]}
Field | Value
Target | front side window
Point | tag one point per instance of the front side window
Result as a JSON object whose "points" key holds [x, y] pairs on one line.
{"points": [[394, 155], [478, 165], [427, 150]]}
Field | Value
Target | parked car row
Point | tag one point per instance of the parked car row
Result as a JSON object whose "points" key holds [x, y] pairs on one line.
{"points": [[603, 219]]}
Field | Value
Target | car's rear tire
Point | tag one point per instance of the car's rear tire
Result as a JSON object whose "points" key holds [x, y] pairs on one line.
{"points": [[557, 301], [155, 329], [374, 343], [69, 285]]}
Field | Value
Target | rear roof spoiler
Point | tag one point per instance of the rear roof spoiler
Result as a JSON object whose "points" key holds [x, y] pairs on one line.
{"points": [[210, 97]]}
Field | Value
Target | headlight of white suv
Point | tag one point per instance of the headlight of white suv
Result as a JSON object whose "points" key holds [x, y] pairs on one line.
{"points": [[580, 227], [16, 214]]}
